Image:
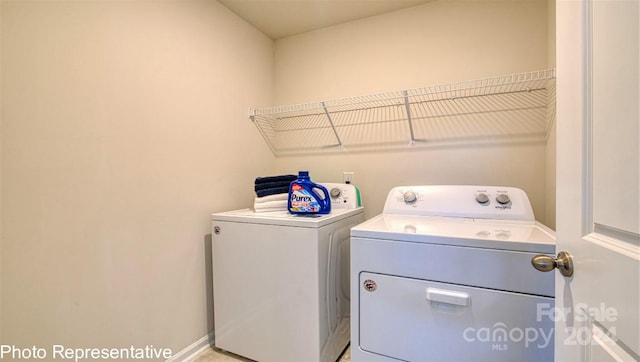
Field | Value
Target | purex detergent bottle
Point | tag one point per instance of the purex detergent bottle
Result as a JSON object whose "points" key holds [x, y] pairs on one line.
{"points": [[307, 197]]}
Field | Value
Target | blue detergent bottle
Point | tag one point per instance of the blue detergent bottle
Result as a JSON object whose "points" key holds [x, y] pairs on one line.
{"points": [[307, 197]]}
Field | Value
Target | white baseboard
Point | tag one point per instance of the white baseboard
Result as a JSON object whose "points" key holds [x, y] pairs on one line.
{"points": [[193, 350]]}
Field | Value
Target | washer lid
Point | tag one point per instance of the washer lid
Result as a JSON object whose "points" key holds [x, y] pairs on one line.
{"points": [[481, 233], [284, 218]]}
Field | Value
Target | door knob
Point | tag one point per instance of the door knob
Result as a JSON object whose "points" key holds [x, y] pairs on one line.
{"points": [[545, 263]]}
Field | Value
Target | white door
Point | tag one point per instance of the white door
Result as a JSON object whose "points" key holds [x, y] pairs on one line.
{"points": [[598, 179]]}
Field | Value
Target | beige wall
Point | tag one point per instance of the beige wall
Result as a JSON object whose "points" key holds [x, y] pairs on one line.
{"points": [[550, 191], [439, 42], [0, 174], [123, 127]]}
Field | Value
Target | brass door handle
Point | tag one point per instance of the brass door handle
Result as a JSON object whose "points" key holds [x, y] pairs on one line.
{"points": [[545, 263]]}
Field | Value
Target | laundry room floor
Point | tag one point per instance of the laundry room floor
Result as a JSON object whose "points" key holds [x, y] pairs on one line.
{"points": [[216, 355]]}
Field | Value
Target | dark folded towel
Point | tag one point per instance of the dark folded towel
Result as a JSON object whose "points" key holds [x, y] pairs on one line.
{"points": [[272, 191], [271, 185], [280, 178]]}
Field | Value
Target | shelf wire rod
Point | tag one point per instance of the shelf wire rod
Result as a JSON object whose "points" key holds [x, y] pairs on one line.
{"points": [[412, 141], [433, 96], [263, 133], [449, 98], [326, 111]]}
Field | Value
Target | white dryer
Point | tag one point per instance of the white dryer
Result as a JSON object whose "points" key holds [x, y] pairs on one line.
{"points": [[445, 274], [281, 282]]}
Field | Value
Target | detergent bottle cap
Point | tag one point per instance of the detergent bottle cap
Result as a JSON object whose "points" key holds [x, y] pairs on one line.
{"points": [[303, 174]]}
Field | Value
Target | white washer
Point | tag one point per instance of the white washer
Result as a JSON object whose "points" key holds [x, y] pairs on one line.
{"points": [[445, 274], [281, 283]]}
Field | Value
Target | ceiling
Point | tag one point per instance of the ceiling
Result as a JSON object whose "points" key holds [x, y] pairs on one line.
{"points": [[282, 18]]}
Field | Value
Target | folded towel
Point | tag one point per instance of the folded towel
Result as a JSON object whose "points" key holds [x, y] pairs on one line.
{"points": [[275, 197], [270, 205], [271, 209], [271, 185], [273, 191], [279, 178]]}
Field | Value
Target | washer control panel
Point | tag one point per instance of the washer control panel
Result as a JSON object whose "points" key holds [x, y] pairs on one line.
{"points": [[488, 202], [343, 196]]}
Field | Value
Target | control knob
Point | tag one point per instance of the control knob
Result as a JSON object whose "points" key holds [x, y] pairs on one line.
{"points": [[503, 199], [335, 193], [410, 197], [482, 198]]}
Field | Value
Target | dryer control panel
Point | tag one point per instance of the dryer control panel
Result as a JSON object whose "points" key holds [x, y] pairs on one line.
{"points": [[485, 202]]}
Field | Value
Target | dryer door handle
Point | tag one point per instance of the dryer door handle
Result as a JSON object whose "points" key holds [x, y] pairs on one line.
{"points": [[448, 296]]}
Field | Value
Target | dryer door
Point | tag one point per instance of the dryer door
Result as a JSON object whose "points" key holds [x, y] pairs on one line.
{"points": [[418, 320]]}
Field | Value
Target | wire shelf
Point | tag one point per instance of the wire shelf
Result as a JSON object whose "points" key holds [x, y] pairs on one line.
{"points": [[511, 107]]}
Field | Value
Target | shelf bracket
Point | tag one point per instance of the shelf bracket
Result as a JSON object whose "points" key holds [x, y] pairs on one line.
{"points": [[412, 141], [324, 107]]}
